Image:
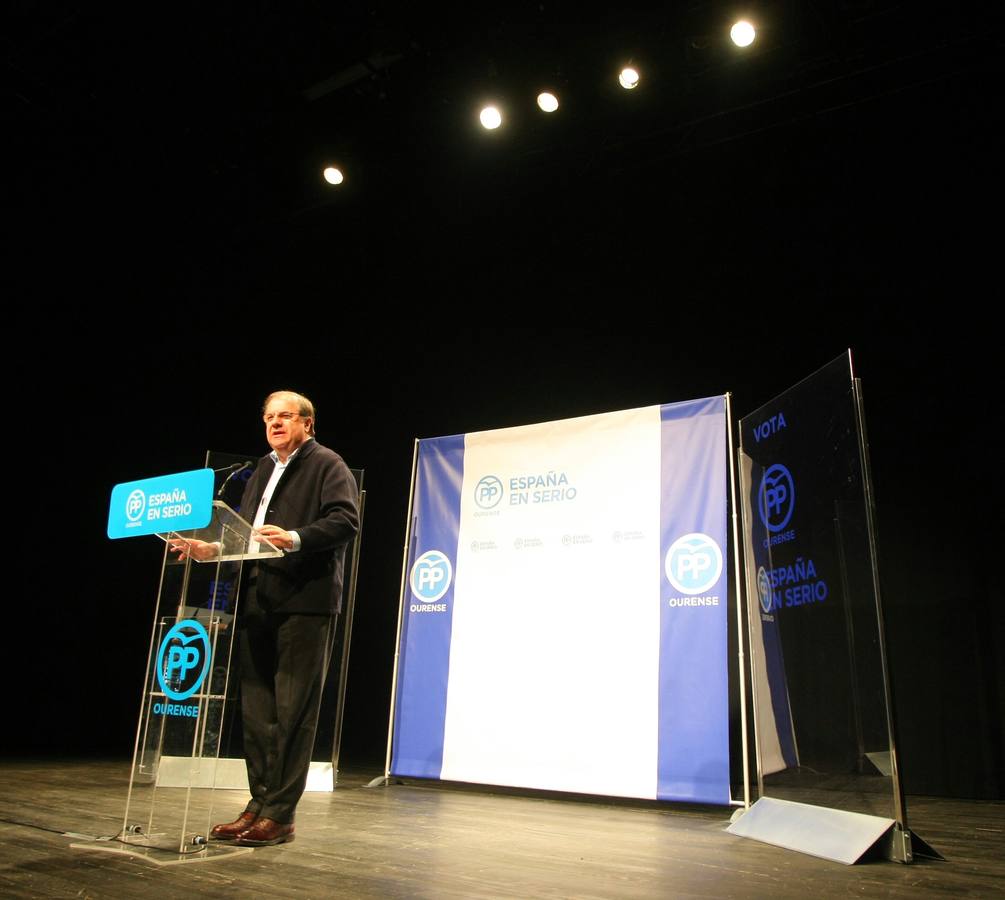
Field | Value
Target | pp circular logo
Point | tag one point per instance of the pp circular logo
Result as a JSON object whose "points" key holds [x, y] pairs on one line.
{"points": [[776, 497], [183, 659], [764, 589], [488, 492], [431, 575], [136, 502], [693, 563]]}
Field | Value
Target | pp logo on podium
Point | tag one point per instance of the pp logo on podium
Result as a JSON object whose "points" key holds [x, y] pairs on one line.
{"points": [[431, 576], [136, 502], [183, 659], [776, 497], [764, 590]]}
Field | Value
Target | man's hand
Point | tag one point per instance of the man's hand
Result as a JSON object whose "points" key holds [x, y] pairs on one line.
{"points": [[189, 547], [277, 536]]}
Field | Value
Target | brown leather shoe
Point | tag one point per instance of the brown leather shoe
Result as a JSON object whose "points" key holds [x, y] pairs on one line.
{"points": [[231, 830], [264, 833]]}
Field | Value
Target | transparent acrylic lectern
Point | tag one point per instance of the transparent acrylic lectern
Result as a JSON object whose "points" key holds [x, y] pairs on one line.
{"points": [[169, 807]]}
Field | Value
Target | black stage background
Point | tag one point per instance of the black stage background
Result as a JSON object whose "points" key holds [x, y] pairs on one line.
{"points": [[730, 226]]}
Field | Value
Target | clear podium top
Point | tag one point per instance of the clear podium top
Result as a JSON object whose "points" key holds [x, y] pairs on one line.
{"points": [[227, 538]]}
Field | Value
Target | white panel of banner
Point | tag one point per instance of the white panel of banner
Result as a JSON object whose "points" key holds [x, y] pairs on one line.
{"points": [[550, 684]]}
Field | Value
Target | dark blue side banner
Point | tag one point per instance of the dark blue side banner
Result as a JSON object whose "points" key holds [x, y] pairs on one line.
{"points": [[693, 688], [424, 661]]}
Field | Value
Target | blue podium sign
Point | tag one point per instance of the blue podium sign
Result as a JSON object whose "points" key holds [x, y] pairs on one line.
{"points": [[178, 502]]}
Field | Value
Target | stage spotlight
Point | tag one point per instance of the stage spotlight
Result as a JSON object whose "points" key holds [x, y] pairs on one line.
{"points": [[547, 102], [742, 33], [629, 78], [490, 117], [333, 175]]}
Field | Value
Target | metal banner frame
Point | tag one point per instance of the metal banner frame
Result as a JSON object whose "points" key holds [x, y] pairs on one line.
{"points": [[732, 528]]}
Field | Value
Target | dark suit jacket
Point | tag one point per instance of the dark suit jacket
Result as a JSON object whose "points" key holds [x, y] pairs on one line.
{"points": [[316, 497]]}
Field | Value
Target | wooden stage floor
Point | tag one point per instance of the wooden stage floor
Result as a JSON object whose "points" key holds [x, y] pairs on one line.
{"points": [[430, 841]]}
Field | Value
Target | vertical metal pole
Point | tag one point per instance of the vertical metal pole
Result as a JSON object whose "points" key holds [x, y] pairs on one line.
{"points": [[343, 675], [747, 529], [739, 604], [401, 608]]}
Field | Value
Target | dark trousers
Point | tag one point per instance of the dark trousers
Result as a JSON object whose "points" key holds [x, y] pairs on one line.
{"points": [[284, 658]]}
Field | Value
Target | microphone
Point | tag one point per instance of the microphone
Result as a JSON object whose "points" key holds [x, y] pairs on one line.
{"points": [[235, 469]]}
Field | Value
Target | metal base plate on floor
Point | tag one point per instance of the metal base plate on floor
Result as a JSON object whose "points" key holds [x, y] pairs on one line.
{"points": [[163, 851], [832, 834]]}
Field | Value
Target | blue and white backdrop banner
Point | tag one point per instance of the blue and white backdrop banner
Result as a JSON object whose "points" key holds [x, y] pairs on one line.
{"points": [[564, 623]]}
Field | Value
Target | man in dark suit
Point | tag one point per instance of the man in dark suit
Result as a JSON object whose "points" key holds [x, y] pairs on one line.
{"points": [[302, 497]]}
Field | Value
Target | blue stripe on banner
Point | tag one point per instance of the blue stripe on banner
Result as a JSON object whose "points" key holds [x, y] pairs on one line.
{"points": [[693, 763], [424, 656]]}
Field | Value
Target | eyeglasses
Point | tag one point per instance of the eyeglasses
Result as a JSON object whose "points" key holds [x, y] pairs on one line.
{"points": [[269, 418]]}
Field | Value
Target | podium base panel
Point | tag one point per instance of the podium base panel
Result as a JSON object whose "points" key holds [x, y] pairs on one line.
{"points": [[185, 772], [229, 774]]}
